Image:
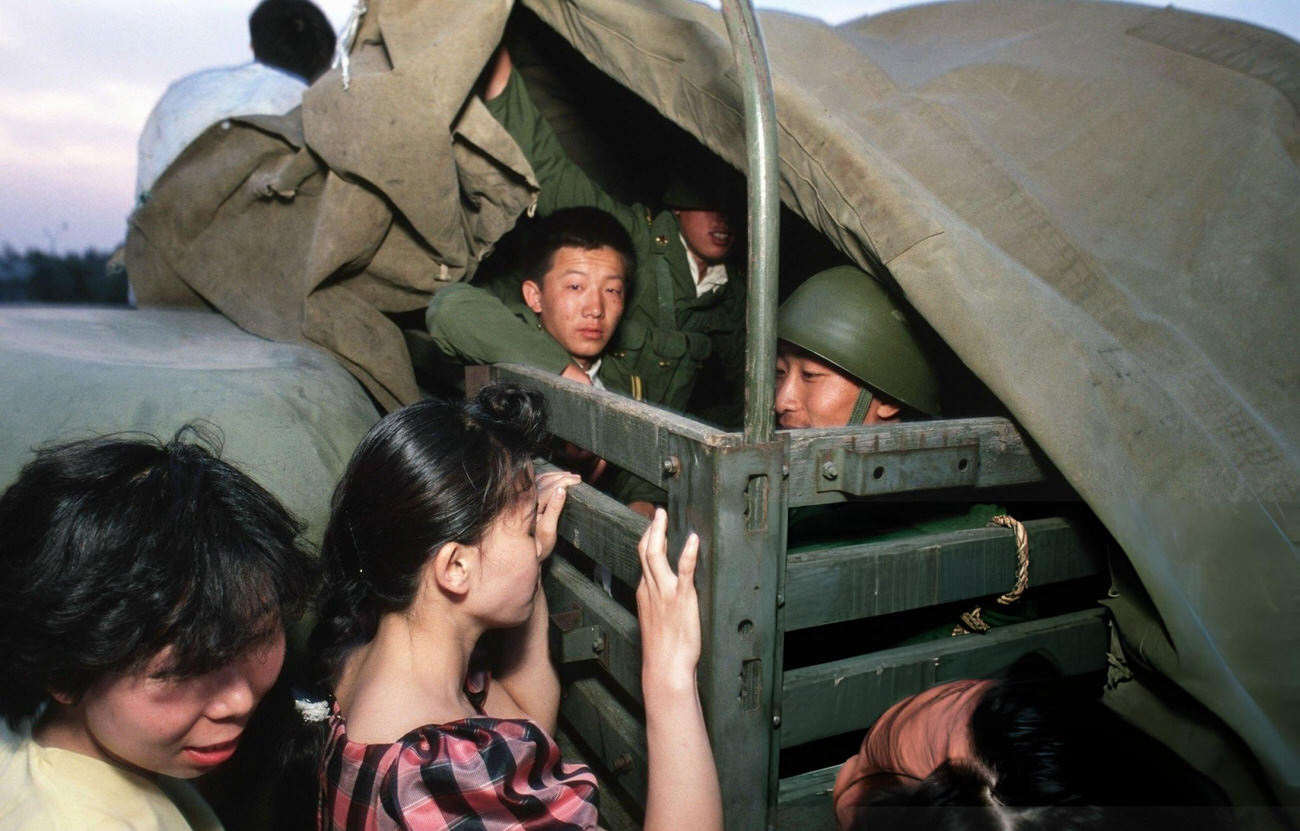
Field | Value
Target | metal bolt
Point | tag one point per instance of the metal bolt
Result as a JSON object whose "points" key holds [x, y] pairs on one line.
{"points": [[598, 645], [671, 466], [780, 600], [776, 721], [785, 471], [829, 471]]}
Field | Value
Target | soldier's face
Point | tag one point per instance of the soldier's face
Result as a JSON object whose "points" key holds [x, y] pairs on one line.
{"points": [[813, 393], [580, 300], [708, 234], [810, 393]]}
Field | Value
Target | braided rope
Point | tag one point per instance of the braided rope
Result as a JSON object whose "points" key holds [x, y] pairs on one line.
{"points": [[971, 622], [1022, 557]]}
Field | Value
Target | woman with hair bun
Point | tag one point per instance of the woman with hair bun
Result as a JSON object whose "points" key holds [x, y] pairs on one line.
{"points": [[437, 536]]}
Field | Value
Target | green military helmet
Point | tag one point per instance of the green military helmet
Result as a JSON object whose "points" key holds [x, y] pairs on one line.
{"points": [[846, 318]]}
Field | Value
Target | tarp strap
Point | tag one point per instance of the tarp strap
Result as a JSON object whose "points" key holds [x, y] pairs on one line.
{"points": [[860, 407]]}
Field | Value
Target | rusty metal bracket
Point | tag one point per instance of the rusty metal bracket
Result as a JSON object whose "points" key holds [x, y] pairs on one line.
{"points": [[868, 473], [576, 642], [588, 643]]}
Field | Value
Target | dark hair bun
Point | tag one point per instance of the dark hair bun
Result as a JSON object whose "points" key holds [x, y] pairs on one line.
{"points": [[511, 405]]}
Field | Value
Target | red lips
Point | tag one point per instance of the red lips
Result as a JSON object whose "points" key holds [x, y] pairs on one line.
{"points": [[213, 754]]}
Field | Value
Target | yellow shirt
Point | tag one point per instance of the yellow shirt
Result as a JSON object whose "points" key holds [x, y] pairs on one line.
{"points": [[52, 789]]}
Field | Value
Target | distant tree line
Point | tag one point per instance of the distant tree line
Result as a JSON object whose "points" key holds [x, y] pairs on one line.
{"points": [[40, 277]]}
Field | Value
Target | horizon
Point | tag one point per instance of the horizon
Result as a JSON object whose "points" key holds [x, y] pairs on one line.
{"points": [[78, 88]]}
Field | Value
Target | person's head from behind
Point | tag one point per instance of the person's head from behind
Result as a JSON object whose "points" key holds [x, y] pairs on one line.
{"points": [[578, 266], [847, 354], [701, 193], [1035, 750], [293, 35], [438, 500], [149, 585]]}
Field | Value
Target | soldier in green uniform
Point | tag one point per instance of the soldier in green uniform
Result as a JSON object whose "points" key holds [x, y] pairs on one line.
{"points": [[687, 303], [576, 275], [847, 354]]}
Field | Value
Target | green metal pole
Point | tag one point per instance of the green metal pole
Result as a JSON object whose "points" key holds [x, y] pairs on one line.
{"points": [[764, 216]]}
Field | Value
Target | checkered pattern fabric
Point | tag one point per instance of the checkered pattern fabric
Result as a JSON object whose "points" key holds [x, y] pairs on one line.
{"points": [[475, 773]]}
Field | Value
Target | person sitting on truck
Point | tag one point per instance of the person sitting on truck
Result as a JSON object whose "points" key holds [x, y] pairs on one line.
{"points": [[577, 267], [147, 590], [432, 636], [686, 309], [292, 44]]}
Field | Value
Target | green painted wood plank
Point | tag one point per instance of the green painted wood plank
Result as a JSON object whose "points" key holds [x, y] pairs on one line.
{"points": [[604, 529], [631, 434], [804, 801], [619, 652], [898, 458], [829, 699], [615, 736], [849, 582]]}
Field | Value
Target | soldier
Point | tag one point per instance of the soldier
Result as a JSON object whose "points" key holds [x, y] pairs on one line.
{"points": [[688, 302], [577, 266], [846, 354]]}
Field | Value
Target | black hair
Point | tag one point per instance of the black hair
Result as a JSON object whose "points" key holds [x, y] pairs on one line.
{"points": [[113, 548], [430, 473], [581, 227], [1051, 756], [293, 35]]}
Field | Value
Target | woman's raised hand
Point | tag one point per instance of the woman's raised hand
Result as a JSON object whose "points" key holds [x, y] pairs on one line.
{"points": [[668, 608], [552, 489], [682, 786]]}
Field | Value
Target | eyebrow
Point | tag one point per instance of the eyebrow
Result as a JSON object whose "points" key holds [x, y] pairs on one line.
{"points": [[584, 273]]}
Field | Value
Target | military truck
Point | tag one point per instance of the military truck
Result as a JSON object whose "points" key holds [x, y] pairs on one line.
{"points": [[1093, 206]]}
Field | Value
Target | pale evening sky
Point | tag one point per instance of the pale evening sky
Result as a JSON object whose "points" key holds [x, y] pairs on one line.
{"points": [[80, 77]]}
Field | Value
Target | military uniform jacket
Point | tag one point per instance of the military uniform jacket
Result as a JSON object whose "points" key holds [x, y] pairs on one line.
{"points": [[471, 325], [666, 332]]}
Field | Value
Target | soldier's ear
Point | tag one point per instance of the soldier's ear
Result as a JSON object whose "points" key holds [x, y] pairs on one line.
{"points": [[532, 295], [887, 410]]}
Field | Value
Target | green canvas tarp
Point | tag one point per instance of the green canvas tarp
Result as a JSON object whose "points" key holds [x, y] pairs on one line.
{"points": [[1095, 205], [286, 415]]}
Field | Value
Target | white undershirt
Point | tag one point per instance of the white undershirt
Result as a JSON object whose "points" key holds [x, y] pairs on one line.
{"points": [[591, 373], [715, 276]]}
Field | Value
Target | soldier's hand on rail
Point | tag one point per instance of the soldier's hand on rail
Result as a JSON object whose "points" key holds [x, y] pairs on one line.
{"points": [[669, 611], [552, 490]]}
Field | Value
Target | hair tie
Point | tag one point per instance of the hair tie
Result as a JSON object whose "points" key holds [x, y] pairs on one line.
{"points": [[312, 710]]}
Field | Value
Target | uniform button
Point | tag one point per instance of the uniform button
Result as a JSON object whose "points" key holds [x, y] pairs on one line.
{"points": [[665, 363], [661, 240]]}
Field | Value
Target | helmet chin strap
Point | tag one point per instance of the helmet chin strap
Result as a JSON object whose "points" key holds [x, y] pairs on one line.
{"points": [[860, 407]]}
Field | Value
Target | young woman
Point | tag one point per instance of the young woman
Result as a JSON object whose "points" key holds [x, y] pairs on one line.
{"points": [[437, 537], [147, 586]]}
